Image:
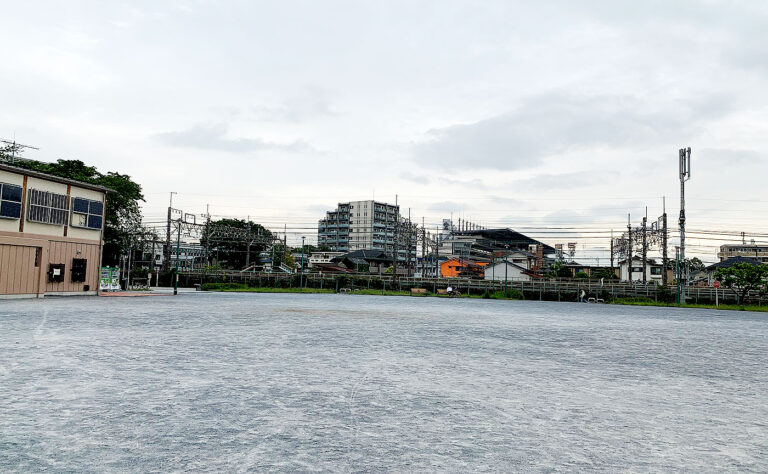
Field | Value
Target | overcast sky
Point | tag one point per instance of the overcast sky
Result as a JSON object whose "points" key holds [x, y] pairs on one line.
{"points": [[514, 114]]}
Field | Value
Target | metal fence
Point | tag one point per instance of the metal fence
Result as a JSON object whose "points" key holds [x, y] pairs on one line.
{"points": [[543, 289]]}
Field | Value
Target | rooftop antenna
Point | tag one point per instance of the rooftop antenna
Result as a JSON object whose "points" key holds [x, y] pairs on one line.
{"points": [[15, 146]]}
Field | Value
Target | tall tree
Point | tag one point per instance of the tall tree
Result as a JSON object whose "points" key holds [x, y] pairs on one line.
{"points": [[235, 242], [741, 278]]}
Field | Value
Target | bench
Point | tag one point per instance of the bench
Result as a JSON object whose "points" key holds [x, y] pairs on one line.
{"points": [[418, 291], [442, 291]]}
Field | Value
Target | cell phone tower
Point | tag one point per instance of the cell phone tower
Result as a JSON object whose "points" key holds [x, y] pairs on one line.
{"points": [[685, 175]]}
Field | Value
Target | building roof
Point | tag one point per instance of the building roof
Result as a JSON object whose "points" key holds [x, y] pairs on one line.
{"points": [[369, 255], [729, 262], [509, 237], [54, 178]]}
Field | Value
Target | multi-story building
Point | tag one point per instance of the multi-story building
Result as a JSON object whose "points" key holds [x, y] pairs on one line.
{"points": [[757, 252], [366, 225], [51, 234]]}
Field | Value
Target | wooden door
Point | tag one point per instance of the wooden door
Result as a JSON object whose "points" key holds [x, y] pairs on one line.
{"points": [[19, 270]]}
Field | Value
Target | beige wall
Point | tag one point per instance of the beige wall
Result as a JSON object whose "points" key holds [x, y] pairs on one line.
{"points": [[64, 252], [11, 225], [36, 227]]}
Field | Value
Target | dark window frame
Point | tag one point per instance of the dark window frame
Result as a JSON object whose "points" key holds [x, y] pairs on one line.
{"points": [[88, 215], [5, 202]]}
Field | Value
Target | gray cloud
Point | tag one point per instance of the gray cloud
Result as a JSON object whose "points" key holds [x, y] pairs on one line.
{"points": [[213, 137], [557, 123]]}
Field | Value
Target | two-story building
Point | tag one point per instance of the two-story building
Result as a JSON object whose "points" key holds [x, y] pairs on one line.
{"points": [[51, 234]]}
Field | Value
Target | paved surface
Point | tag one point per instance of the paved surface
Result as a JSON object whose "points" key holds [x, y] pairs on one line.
{"points": [[238, 382]]}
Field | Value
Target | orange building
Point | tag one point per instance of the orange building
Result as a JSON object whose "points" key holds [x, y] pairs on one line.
{"points": [[460, 268]]}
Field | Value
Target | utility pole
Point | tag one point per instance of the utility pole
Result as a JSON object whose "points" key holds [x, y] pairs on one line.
{"points": [[629, 248], [176, 273], [248, 239], [677, 272], [506, 268], [167, 263], [437, 252], [664, 242], [685, 175], [397, 227], [645, 246], [612, 253], [423, 249], [301, 278]]}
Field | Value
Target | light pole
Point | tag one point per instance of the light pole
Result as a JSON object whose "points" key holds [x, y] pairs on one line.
{"points": [[301, 278], [176, 272]]}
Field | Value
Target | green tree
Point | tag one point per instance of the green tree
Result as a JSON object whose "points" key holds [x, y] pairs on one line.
{"points": [[741, 278], [696, 265], [603, 273], [231, 240], [122, 218], [559, 270]]}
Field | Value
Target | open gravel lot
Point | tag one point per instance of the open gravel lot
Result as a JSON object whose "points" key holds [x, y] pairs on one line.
{"points": [[260, 382]]}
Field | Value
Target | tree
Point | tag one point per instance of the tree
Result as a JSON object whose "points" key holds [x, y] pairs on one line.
{"points": [[741, 278], [603, 273], [695, 264], [231, 240], [122, 218], [558, 270]]}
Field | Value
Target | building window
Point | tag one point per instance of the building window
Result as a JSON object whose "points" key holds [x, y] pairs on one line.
{"points": [[655, 270], [87, 213], [47, 208], [10, 201]]}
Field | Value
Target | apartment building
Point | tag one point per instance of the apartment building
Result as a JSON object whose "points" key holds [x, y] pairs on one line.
{"points": [[360, 225], [51, 234], [757, 252]]}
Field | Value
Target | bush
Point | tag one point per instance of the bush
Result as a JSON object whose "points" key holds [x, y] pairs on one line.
{"points": [[223, 286], [511, 294]]}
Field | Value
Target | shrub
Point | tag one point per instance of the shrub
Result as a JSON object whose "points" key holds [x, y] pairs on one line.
{"points": [[223, 286]]}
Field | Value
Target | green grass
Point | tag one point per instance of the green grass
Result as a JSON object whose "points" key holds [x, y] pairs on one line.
{"points": [[641, 301]]}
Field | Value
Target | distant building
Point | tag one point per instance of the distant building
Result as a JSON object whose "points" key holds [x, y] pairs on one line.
{"points": [[322, 258], [367, 225], [653, 270], [507, 270], [484, 245], [756, 252], [459, 268]]}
